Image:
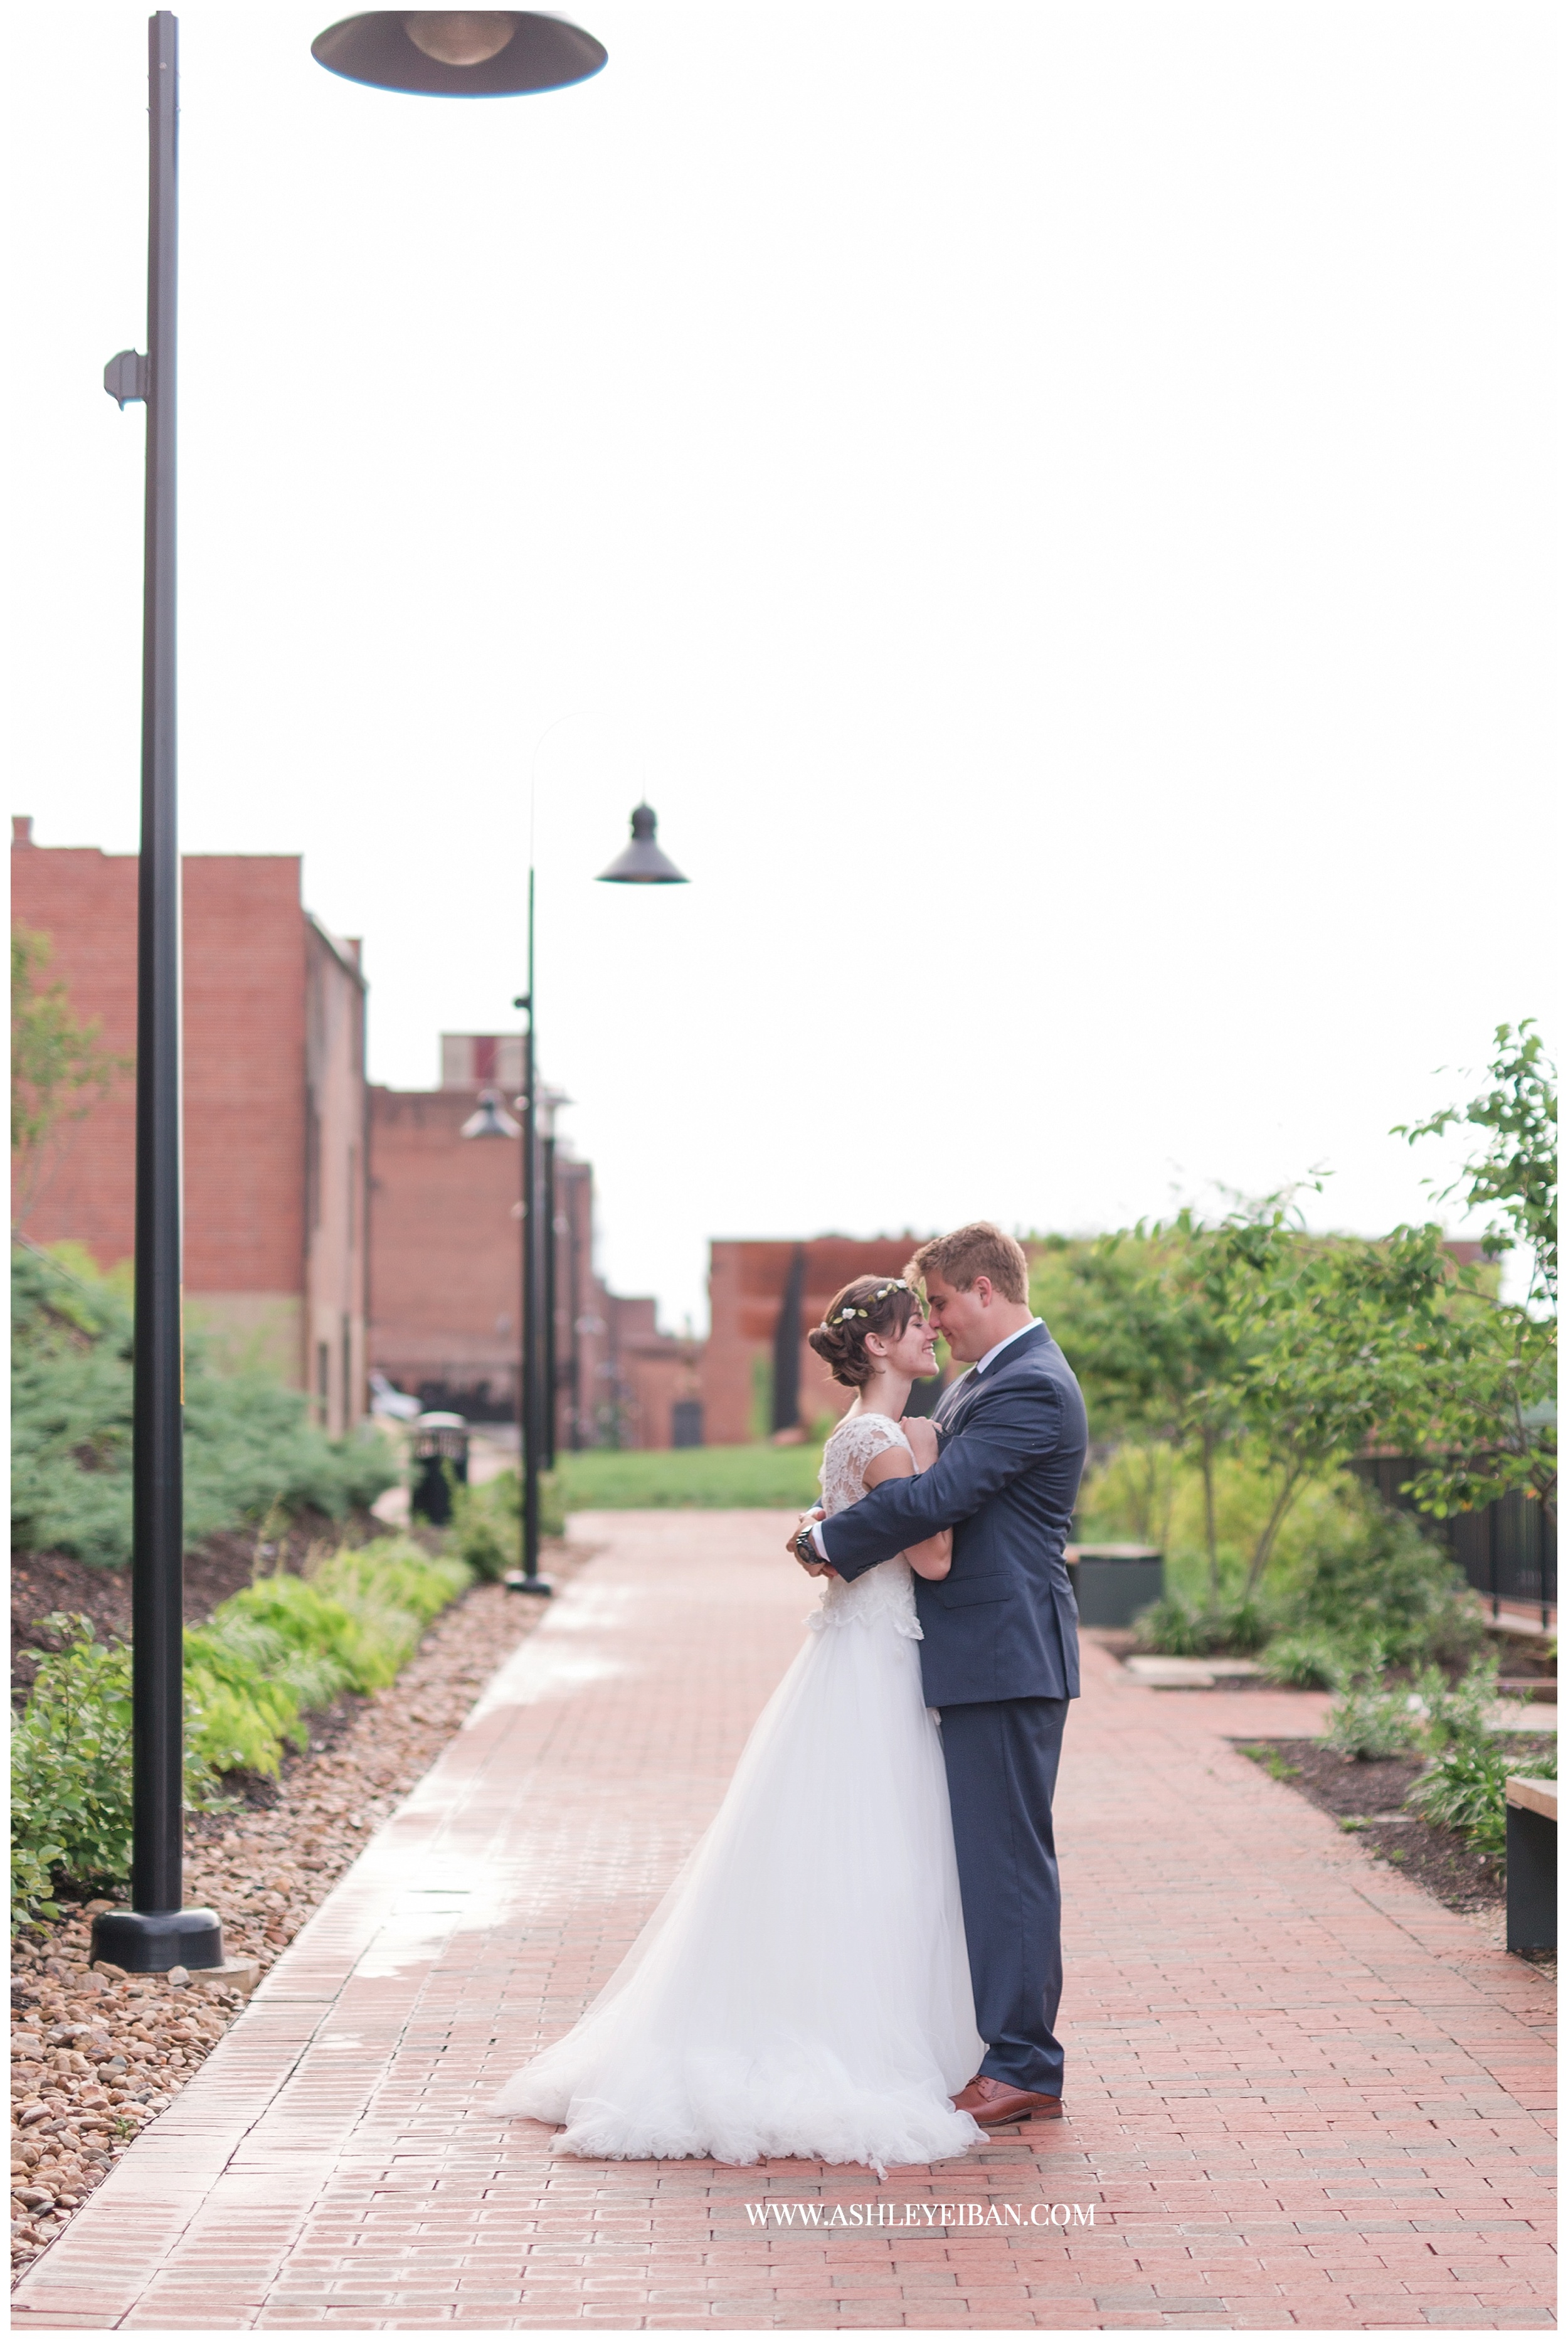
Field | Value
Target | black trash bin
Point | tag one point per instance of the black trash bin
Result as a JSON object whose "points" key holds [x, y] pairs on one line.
{"points": [[440, 1449], [1113, 1581]]}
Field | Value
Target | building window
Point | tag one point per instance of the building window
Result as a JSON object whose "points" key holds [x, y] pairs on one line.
{"points": [[323, 1381]]}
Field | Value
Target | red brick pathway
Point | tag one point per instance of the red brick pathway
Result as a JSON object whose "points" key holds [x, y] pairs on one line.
{"points": [[1300, 2093]]}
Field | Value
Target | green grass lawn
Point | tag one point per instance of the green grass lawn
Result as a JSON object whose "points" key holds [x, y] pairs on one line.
{"points": [[684, 1479]]}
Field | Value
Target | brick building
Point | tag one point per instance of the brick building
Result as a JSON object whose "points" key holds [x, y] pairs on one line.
{"points": [[446, 1269], [758, 1377], [275, 1103]]}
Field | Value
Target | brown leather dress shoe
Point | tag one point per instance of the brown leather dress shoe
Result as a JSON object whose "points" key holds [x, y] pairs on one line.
{"points": [[998, 2101]]}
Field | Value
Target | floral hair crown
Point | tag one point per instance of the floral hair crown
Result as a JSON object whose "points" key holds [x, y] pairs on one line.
{"points": [[898, 1285]]}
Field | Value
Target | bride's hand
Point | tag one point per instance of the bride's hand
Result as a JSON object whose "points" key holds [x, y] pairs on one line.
{"points": [[921, 1434]]}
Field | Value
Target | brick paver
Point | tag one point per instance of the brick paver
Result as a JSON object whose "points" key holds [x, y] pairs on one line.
{"points": [[1300, 2092]]}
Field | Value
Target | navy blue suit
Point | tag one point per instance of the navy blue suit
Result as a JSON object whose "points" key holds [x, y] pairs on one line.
{"points": [[1000, 1660]]}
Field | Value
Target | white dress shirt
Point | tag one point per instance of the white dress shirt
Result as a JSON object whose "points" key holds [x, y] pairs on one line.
{"points": [[994, 1352], [1007, 1339]]}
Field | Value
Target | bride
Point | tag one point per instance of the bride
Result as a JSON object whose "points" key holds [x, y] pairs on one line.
{"points": [[803, 1988]]}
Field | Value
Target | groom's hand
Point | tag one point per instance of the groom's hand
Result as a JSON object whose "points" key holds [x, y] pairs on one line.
{"points": [[812, 1567]]}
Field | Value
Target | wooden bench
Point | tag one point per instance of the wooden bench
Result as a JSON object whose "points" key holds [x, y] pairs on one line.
{"points": [[1532, 1823]]}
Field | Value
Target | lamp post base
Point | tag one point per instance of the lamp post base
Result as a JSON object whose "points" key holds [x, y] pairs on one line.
{"points": [[516, 1582], [151, 1943]]}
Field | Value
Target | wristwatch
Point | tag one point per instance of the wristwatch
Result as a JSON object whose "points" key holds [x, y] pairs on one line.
{"points": [[806, 1552]]}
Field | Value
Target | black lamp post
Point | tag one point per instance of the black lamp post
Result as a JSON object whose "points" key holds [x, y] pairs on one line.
{"points": [[453, 53], [549, 1104], [642, 864], [156, 1932]]}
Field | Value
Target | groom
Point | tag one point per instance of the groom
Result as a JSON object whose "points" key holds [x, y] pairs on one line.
{"points": [[1000, 1652]]}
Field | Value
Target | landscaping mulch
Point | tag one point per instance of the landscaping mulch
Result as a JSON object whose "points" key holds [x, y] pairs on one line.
{"points": [[1367, 1799], [96, 2054], [43, 1582]]}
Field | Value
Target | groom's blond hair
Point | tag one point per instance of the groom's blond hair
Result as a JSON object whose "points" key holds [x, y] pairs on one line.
{"points": [[978, 1250]]}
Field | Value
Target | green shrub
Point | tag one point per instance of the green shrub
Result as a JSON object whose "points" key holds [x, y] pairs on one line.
{"points": [[1309, 1659], [249, 1442], [1386, 1581], [1242, 1627], [265, 1658], [1174, 1627], [390, 1590], [1177, 1629], [1458, 1711], [1370, 1721], [487, 1521], [1464, 1790], [356, 1619], [247, 1687], [485, 1530], [71, 1769]]}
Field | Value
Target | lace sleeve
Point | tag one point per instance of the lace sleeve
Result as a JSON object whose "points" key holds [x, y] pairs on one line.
{"points": [[848, 1452]]}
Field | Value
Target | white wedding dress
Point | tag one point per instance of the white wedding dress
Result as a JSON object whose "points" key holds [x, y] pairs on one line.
{"points": [[803, 1988]]}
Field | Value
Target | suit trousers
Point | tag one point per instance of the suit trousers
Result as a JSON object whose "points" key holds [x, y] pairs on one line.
{"points": [[1002, 1757]]}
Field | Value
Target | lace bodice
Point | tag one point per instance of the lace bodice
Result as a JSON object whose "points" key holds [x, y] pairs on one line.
{"points": [[883, 1594]]}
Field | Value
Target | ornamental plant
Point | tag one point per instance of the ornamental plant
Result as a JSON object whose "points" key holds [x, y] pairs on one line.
{"points": [[263, 1661], [250, 1444]]}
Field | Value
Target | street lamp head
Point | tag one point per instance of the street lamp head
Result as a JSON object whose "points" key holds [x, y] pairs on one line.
{"points": [[491, 1120], [459, 52], [461, 37], [643, 863]]}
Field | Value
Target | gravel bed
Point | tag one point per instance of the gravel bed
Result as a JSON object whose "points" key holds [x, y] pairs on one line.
{"points": [[96, 2054]]}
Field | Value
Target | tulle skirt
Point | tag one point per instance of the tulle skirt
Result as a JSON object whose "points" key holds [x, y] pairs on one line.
{"points": [[804, 1987]]}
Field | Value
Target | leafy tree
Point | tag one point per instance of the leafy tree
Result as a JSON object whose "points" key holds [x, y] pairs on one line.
{"points": [[1144, 1315], [58, 1069], [1332, 1336], [1484, 1419], [1517, 1170]]}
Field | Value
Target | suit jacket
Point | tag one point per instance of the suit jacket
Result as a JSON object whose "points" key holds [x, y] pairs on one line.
{"points": [[1003, 1624]]}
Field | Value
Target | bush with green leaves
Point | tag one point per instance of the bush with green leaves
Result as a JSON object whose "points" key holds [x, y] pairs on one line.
{"points": [[1388, 1583], [71, 1769], [1173, 1626], [1464, 1790], [1178, 1629], [487, 1521], [266, 1657], [1373, 1720], [390, 1590], [1308, 1660], [1455, 1711], [485, 1530], [249, 1442]]}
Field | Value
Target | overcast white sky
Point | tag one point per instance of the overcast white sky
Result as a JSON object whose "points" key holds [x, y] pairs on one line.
{"points": [[1053, 504]]}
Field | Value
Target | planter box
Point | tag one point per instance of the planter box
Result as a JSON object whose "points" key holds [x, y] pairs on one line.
{"points": [[1115, 1581]]}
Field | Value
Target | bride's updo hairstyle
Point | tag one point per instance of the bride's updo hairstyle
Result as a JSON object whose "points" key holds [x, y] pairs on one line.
{"points": [[869, 1304]]}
